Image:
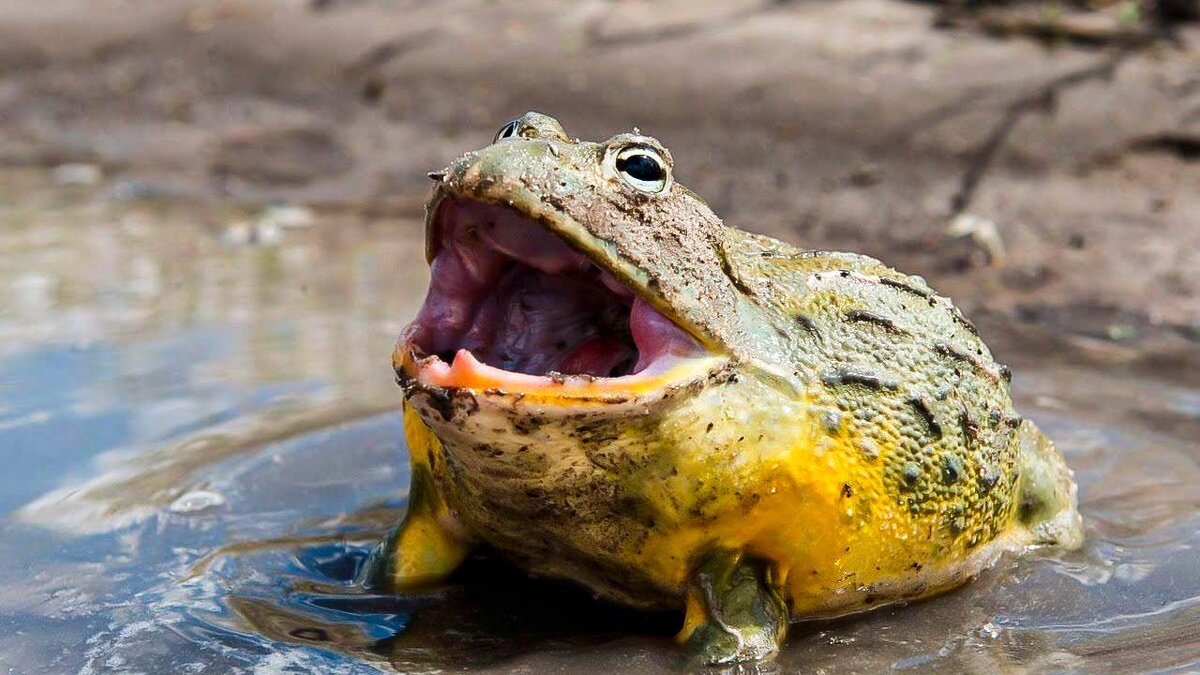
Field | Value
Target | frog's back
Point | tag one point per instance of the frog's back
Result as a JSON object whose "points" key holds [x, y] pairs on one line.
{"points": [[938, 468]]}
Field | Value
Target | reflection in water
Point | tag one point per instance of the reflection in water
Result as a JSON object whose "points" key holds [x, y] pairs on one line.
{"points": [[490, 615], [170, 476], [201, 449]]}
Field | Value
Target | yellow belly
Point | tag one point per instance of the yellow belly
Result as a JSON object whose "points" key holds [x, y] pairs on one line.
{"points": [[807, 499]]}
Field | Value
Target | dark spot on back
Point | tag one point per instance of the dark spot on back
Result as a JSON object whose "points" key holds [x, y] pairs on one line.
{"points": [[907, 288], [955, 523], [988, 476], [864, 316], [963, 321], [970, 429], [952, 468], [948, 350], [859, 377], [920, 405], [806, 322]]}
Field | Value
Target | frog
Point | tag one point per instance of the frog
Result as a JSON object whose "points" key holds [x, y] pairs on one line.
{"points": [[608, 385]]}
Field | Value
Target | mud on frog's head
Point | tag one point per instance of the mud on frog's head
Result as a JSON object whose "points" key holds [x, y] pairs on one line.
{"points": [[568, 271]]}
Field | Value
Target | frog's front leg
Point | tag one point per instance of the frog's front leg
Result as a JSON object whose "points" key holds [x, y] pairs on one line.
{"points": [[423, 547], [733, 612]]}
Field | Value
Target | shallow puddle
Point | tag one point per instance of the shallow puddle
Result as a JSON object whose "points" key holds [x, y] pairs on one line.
{"points": [[198, 427]]}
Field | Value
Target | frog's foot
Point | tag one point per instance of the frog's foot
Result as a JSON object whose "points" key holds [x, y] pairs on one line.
{"points": [[733, 613], [1048, 505], [422, 548]]}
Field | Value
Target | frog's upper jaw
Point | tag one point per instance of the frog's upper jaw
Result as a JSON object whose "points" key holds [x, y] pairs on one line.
{"points": [[513, 308]]}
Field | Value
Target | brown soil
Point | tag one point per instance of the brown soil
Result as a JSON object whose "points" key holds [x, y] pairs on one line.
{"points": [[1069, 171]]}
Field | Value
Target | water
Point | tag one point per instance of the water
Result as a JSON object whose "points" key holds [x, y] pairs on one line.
{"points": [[198, 429]]}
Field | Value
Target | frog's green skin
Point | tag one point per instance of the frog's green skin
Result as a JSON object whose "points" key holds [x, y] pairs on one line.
{"points": [[848, 442]]}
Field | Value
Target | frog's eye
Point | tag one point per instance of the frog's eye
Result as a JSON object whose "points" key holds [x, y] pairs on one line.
{"points": [[510, 130], [643, 168]]}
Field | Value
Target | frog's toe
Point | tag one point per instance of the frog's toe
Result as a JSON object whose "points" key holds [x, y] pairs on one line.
{"points": [[733, 614]]}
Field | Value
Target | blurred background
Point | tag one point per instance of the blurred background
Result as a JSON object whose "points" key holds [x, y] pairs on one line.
{"points": [[210, 235]]}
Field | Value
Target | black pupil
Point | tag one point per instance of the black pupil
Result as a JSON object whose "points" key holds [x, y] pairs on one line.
{"points": [[641, 167]]}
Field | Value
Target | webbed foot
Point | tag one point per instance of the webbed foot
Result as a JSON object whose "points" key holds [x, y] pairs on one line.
{"points": [[733, 613], [1048, 504]]}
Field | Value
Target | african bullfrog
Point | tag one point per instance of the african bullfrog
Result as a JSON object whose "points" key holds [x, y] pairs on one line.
{"points": [[608, 385]]}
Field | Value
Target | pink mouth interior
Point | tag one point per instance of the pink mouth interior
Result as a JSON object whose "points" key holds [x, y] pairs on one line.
{"points": [[519, 299]]}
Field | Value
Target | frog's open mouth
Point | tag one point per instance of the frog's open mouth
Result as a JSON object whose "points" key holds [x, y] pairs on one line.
{"points": [[510, 305]]}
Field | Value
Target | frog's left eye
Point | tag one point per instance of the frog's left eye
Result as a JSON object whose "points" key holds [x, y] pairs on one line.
{"points": [[509, 130], [643, 168]]}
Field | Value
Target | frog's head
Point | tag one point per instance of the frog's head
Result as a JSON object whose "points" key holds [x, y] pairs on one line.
{"points": [[572, 272]]}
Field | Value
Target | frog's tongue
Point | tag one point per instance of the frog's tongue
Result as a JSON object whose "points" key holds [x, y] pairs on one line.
{"points": [[506, 294]]}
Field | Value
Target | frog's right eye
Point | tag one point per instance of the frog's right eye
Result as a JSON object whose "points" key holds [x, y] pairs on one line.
{"points": [[643, 168], [509, 130]]}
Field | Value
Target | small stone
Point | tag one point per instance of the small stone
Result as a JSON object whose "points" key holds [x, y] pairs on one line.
{"points": [[1121, 332], [983, 232], [267, 233], [237, 234], [77, 174], [252, 233], [289, 217], [134, 189]]}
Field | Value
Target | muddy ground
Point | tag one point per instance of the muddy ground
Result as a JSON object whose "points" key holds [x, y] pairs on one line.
{"points": [[1049, 185]]}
